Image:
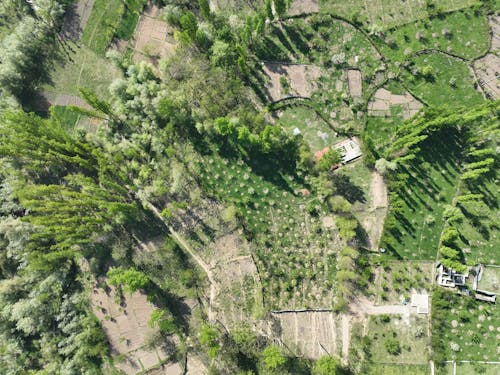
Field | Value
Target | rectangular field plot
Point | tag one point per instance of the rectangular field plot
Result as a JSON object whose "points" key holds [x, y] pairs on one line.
{"points": [[490, 280], [388, 13], [399, 339]]}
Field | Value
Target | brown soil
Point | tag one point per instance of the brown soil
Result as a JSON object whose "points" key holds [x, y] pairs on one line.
{"points": [[373, 223], [383, 100], [125, 322], [355, 83], [303, 7], [302, 79], [152, 39]]}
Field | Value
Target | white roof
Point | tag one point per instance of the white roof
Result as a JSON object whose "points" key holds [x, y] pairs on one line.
{"points": [[349, 149], [421, 302]]}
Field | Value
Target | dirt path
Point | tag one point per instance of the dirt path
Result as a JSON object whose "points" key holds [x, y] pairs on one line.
{"points": [[374, 222], [363, 306], [186, 247], [346, 338]]}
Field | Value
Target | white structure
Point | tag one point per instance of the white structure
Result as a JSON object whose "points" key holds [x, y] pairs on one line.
{"points": [[421, 302], [349, 148]]}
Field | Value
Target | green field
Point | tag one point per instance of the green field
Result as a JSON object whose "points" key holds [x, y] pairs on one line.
{"points": [[388, 13], [86, 70], [449, 82], [385, 369], [395, 279], [103, 22], [462, 33], [412, 336], [294, 252], [472, 325], [316, 132], [480, 238], [432, 185], [490, 280]]}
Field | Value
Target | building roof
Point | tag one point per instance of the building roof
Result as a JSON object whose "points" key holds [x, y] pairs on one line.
{"points": [[349, 148]]}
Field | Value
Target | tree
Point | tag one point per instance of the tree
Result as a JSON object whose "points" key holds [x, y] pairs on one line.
{"points": [[269, 10], [325, 365], [392, 346], [339, 204], [384, 167], [280, 7], [272, 357], [129, 279], [331, 158], [204, 9], [209, 337]]}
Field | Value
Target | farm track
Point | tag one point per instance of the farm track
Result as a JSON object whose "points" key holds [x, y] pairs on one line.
{"points": [[188, 249]]}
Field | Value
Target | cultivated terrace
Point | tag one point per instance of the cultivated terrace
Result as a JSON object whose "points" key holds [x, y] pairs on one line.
{"points": [[249, 187]]}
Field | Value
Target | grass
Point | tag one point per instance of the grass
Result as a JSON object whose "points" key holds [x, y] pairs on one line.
{"points": [[471, 324], [87, 69], [129, 20], [387, 13], [294, 252], [396, 279], [316, 132], [65, 116], [463, 33], [490, 280], [477, 368], [395, 369], [382, 129], [450, 82], [431, 185], [103, 22], [413, 349], [480, 240]]}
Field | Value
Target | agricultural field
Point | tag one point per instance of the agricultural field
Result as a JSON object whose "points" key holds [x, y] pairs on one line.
{"points": [[399, 339], [397, 369], [103, 22], [316, 132], [479, 241], [249, 187], [386, 14], [438, 79], [83, 69], [464, 33], [468, 329], [394, 281], [295, 248]]}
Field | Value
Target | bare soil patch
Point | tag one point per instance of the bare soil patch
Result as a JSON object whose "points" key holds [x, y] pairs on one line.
{"points": [[303, 7], [125, 322], [311, 334], [301, 79], [355, 83], [373, 223], [487, 70], [153, 38], [383, 100]]}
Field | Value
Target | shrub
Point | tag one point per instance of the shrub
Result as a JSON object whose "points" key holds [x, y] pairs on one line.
{"points": [[392, 346]]}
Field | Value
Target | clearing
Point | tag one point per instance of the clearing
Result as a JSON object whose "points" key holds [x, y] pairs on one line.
{"points": [[290, 80], [124, 318], [153, 38]]}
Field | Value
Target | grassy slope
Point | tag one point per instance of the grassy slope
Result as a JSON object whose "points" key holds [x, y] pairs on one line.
{"points": [[387, 13], [468, 36], [438, 91], [87, 70], [102, 24], [433, 183]]}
